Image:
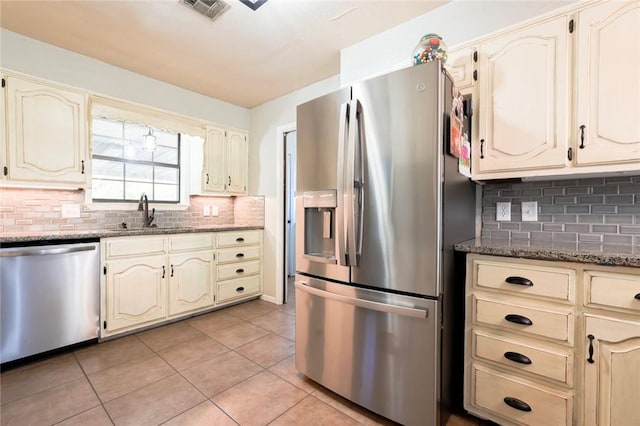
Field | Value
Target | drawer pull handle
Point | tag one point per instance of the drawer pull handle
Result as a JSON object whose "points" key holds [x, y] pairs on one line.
{"points": [[240, 289], [239, 240], [517, 404], [240, 255], [590, 360], [637, 296], [518, 319], [519, 281], [239, 271], [516, 357]]}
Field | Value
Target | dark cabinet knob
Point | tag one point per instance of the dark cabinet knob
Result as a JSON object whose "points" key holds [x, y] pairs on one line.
{"points": [[519, 281], [517, 404], [517, 357], [240, 289], [518, 319]]}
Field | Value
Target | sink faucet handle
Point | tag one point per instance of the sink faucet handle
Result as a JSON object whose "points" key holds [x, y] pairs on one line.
{"points": [[151, 217]]}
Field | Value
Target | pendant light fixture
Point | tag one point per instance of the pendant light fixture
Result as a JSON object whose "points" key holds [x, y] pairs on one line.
{"points": [[149, 141]]}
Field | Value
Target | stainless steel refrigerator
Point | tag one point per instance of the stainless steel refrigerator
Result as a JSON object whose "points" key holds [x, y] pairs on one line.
{"points": [[380, 203]]}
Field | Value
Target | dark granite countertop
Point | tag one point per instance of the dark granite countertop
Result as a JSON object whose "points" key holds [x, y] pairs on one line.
{"points": [[90, 234], [602, 254]]}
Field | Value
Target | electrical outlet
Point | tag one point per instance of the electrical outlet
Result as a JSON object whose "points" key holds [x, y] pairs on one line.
{"points": [[214, 211], [530, 211], [503, 211], [70, 210], [206, 211]]}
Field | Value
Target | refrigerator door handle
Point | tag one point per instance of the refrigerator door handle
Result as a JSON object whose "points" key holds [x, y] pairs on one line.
{"points": [[359, 180], [362, 303], [340, 202], [350, 200]]}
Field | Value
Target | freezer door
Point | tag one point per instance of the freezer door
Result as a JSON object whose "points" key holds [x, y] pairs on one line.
{"points": [[402, 121], [375, 349], [322, 129]]}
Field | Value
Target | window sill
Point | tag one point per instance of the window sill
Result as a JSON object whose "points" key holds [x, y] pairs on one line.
{"points": [[134, 206]]}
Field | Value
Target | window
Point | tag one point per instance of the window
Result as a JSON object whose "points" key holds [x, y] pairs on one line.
{"points": [[122, 168]]}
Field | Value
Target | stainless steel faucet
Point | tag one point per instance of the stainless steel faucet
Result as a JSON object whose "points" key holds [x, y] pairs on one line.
{"points": [[143, 206]]}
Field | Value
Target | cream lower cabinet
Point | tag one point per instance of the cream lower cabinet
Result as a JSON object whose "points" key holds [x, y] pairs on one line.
{"points": [[552, 343], [519, 350], [149, 279], [239, 266], [611, 357], [191, 273]]}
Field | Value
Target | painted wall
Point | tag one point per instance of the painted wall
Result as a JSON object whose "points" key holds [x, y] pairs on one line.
{"points": [[457, 22], [266, 172], [29, 56]]}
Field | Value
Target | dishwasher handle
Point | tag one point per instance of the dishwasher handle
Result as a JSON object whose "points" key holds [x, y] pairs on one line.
{"points": [[362, 303], [42, 252]]}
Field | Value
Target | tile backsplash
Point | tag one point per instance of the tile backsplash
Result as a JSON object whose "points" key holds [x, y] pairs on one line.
{"points": [[37, 210], [585, 211]]}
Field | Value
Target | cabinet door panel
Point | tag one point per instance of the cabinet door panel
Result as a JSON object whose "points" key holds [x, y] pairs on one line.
{"points": [[47, 133], [191, 282], [611, 380], [608, 83], [460, 66], [214, 178], [135, 292], [524, 99], [237, 162]]}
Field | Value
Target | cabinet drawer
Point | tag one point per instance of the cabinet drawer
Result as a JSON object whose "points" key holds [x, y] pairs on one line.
{"points": [[238, 254], [613, 290], [554, 283], [195, 241], [228, 239], [534, 359], [545, 322], [237, 270], [134, 246], [492, 391], [239, 288]]}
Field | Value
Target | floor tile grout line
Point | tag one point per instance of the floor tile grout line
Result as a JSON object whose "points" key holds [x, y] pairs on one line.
{"points": [[289, 409], [86, 376]]}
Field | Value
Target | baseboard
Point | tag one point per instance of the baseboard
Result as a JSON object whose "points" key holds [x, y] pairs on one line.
{"points": [[270, 299]]}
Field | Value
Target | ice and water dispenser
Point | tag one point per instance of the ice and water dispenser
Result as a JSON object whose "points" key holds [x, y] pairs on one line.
{"points": [[319, 209]]}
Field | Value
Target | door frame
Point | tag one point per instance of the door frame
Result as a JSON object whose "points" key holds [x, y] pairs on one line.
{"points": [[281, 246]]}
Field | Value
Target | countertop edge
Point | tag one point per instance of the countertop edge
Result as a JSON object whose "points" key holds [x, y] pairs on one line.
{"points": [[504, 248], [95, 234]]}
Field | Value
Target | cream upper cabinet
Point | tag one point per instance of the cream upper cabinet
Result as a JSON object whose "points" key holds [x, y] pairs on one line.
{"points": [[47, 133], [225, 161], [213, 170], [3, 132], [237, 162], [524, 99], [611, 371], [461, 66], [608, 83]]}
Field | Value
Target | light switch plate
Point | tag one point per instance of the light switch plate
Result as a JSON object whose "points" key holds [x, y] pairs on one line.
{"points": [[206, 211], [214, 211], [503, 211], [70, 210], [529, 211]]}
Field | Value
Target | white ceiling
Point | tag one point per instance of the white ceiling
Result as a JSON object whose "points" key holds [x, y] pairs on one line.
{"points": [[244, 57]]}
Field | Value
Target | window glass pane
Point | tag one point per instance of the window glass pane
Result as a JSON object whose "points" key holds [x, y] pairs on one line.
{"points": [[106, 127], [165, 155], [135, 151], [108, 189], [166, 175], [169, 140], [134, 132], [107, 146], [139, 173], [166, 192], [103, 169], [133, 190]]}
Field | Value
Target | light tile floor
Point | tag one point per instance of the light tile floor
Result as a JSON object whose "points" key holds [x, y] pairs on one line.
{"points": [[230, 367]]}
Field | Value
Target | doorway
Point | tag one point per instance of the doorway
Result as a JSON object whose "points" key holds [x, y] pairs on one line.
{"points": [[290, 214]]}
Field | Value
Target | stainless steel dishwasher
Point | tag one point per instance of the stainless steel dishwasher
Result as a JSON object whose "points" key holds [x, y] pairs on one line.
{"points": [[49, 297]]}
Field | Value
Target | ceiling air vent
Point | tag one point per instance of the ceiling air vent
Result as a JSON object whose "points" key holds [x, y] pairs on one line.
{"points": [[209, 8]]}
